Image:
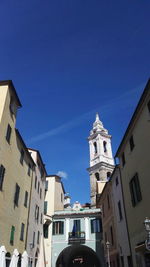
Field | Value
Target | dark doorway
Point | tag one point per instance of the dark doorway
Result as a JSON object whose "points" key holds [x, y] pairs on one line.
{"points": [[78, 256]]}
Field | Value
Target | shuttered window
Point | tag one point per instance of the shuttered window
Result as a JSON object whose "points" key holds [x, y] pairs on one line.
{"points": [[135, 190], [45, 207], [95, 226], [12, 233], [16, 197], [8, 133], [21, 156], [22, 232], [26, 199], [58, 228], [2, 173]]}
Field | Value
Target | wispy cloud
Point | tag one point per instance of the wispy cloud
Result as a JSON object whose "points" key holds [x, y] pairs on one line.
{"points": [[107, 108], [62, 174]]}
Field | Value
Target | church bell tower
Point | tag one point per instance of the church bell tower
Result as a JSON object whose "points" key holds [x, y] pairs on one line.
{"points": [[101, 159]]}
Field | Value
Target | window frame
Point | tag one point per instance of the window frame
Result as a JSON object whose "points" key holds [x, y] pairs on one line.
{"points": [[131, 142], [22, 232], [12, 235], [135, 190], [95, 226], [16, 196], [120, 210], [26, 199], [58, 228], [148, 106], [123, 159], [22, 156], [2, 174], [8, 133]]}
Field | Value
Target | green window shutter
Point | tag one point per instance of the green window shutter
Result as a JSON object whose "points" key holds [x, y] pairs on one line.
{"points": [[12, 235]]}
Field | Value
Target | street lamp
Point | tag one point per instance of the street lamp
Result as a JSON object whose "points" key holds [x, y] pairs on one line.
{"points": [[108, 255], [147, 228]]}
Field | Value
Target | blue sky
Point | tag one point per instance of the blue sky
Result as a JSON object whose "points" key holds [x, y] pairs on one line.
{"points": [[68, 60]]}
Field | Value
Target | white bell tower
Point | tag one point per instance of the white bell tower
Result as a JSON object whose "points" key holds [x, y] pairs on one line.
{"points": [[101, 158]]}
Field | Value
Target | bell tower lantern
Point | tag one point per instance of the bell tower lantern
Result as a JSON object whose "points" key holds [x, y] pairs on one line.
{"points": [[101, 158]]}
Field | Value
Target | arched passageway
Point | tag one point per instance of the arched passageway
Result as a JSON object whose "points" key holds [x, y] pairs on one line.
{"points": [[78, 256]]}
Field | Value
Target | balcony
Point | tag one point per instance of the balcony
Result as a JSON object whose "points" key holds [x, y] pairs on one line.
{"points": [[76, 237]]}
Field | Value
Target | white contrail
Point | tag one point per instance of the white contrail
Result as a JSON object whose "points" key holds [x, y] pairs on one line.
{"points": [[77, 121]]}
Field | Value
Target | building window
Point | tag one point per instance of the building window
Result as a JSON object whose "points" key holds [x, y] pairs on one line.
{"points": [[95, 226], [148, 105], [33, 241], [12, 106], [105, 146], [40, 193], [112, 236], [108, 175], [123, 159], [38, 187], [38, 238], [12, 235], [95, 147], [135, 190], [21, 156], [61, 197], [97, 176], [36, 213], [120, 211], [22, 232], [131, 141], [117, 182], [45, 207], [29, 169], [2, 173], [8, 133], [76, 226], [45, 230], [26, 199], [108, 201], [35, 182], [58, 228], [122, 261], [46, 186], [16, 197], [41, 218]]}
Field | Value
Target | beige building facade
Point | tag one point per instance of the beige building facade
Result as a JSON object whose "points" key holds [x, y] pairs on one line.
{"points": [[16, 173], [108, 222], [133, 154]]}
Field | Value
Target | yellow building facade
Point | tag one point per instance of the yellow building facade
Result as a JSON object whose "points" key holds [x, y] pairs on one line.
{"points": [[16, 172], [133, 154]]}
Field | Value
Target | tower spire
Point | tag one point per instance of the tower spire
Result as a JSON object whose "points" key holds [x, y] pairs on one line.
{"points": [[101, 158]]}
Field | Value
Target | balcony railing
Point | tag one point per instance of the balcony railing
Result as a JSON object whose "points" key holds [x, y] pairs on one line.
{"points": [[76, 237]]}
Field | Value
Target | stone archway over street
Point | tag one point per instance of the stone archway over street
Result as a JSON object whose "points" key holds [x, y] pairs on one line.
{"points": [[78, 255]]}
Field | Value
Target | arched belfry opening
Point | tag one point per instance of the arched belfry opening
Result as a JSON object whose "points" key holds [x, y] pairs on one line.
{"points": [[78, 255], [95, 147], [97, 176], [105, 146]]}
